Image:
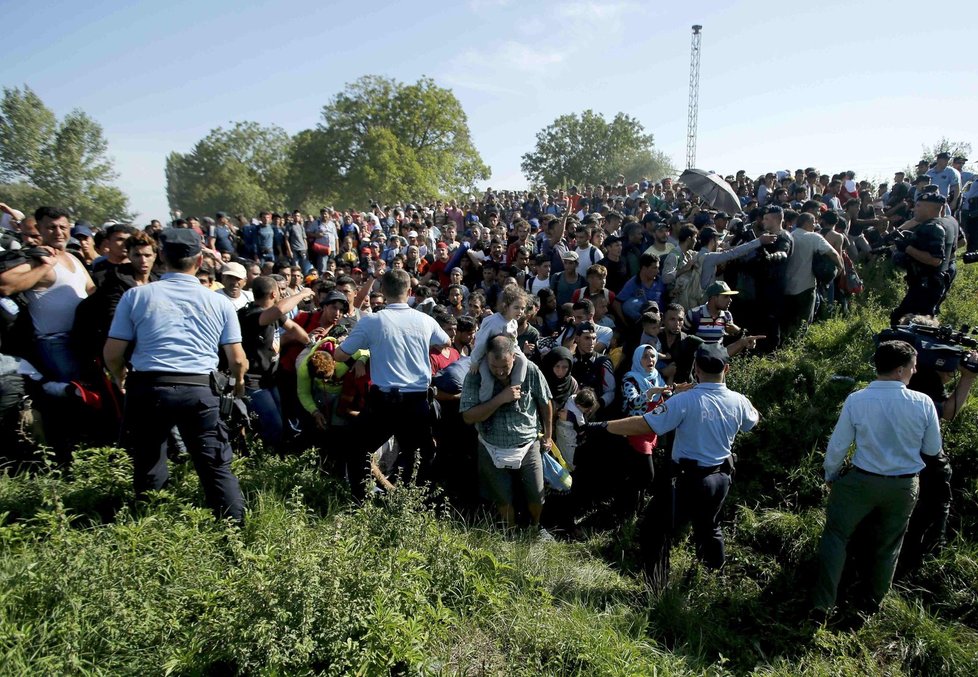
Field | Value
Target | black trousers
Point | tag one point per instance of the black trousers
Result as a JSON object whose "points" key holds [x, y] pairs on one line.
{"points": [[923, 297], [406, 417], [151, 410], [689, 497], [969, 222], [927, 530]]}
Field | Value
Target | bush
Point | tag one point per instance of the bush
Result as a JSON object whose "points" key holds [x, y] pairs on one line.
{"points": [[91, 584]]}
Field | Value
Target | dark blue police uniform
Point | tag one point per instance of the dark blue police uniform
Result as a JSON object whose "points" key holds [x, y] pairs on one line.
{"points": [[706, 420], [177, 327]]}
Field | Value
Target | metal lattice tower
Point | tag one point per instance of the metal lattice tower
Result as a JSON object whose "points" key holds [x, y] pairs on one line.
{"points": [[694, 97]]}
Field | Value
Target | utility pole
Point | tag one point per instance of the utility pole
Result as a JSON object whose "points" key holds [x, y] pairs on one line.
{"points": [[694, 97]]}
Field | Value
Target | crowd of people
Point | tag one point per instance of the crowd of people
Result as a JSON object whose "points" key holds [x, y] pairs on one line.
{"points": [[502, 348]]}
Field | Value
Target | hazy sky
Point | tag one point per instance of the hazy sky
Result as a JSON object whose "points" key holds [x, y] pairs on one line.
{"points": [[836, 85]]}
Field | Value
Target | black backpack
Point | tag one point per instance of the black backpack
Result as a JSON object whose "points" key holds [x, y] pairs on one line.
{"points": [[824, 268]]}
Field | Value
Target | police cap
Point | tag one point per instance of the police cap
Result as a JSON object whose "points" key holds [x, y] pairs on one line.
{"points": [[935, 198], [179, 243], [711, 358]]}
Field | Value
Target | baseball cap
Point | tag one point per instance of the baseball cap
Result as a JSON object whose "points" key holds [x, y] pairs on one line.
{"points": [[570, 256], [81, 230], [722, 215], [719, 288], [412, 233], [180, 243], [441, 245], [337, 297], [960, 158], [943, 154], [234, 270], [711, 358]]}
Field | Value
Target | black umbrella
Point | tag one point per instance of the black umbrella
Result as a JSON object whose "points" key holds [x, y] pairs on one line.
{"points": [[712, 189]]}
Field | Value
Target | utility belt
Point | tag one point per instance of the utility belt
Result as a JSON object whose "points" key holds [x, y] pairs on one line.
{"points": [[689, 467], [905, 476], [397, 396], [169, 378]]}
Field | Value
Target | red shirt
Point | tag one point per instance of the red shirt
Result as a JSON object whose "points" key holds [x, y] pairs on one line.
{"points": [[439, 361]]}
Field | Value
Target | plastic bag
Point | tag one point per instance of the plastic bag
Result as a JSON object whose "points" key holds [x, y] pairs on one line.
{"points": [[555, 475]]}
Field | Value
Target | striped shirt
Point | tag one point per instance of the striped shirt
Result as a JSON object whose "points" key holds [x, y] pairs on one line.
{"points": [[710, 329]]}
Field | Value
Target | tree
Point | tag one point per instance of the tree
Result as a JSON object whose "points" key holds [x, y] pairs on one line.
{"points": [[929, 153], [382, 139], [242, 169], [63, 164], [586, 148]]}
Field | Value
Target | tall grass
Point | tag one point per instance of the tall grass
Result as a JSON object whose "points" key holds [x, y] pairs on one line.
{"points": [[91, 584]]}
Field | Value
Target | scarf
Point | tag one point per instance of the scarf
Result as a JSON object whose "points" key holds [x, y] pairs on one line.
{"points": [[644, 379], [559, 388]]}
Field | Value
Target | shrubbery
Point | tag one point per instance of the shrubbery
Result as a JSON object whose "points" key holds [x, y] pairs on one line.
{"points": [[312, 585]]}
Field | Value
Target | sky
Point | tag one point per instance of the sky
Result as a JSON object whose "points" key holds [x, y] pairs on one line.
{"points": [[834, 85]]}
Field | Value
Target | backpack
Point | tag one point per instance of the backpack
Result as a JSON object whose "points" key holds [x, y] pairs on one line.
{"points": [[850, 282], [824, 268]]}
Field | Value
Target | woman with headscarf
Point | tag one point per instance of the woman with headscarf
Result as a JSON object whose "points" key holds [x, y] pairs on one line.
{"points": [[556, 368], [643, 389]]}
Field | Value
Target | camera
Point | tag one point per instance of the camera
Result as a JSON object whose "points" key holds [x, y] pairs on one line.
{"points": [[898, 238], [940, 348]]}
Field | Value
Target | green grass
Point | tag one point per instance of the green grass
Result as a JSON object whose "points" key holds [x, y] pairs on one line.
{"points": [[311, 585]]}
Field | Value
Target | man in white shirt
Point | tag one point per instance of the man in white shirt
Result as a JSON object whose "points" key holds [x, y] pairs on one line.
{"points": [[233, 277], [891, 427]]}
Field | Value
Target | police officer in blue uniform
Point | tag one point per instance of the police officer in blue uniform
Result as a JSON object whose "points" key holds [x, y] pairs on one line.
{"points": [[176, 327], [706, 418], [399, 403]]}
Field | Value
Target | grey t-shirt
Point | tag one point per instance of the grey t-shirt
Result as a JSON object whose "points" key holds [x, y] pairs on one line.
{"points": [[799, 273]]}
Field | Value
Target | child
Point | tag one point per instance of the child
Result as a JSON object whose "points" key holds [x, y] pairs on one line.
{"points": [[570, 422], [512, 303]]}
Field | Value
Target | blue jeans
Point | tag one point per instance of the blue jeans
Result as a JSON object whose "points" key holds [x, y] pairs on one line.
{"points": [[302, 261], [267, 406], [57, 357]]}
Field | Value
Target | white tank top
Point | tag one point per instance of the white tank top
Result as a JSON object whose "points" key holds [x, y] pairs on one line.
{"points": [[53, 309]]}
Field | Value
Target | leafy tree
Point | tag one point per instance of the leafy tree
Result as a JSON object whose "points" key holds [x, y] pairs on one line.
{"points": [[60, 163], [944, 145], [382, 139], [242, 169], [588, 149]]}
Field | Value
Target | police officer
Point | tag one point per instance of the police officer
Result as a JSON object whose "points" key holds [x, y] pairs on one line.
{"points": [[969, 215], [706, 418], [924, 254], [176, 327], [399, 339]]}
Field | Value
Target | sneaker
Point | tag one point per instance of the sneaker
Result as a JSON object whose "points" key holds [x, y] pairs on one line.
{"points": [[544, 536]]}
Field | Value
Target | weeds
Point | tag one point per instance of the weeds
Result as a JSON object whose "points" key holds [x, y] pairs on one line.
{"points": [[90, 583]]}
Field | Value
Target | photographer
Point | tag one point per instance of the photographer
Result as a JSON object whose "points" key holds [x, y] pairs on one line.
{"points": [[936, 366], [923, 254]]}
